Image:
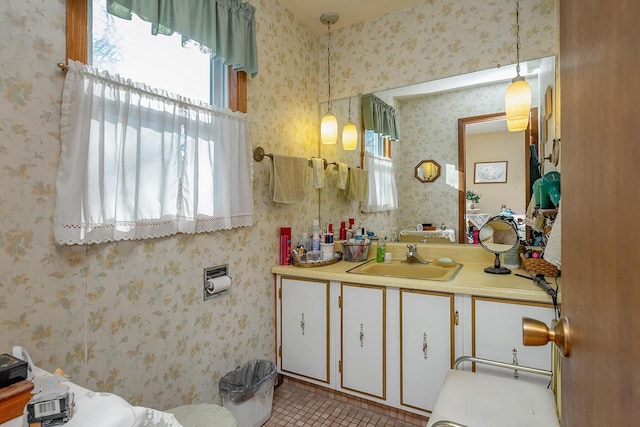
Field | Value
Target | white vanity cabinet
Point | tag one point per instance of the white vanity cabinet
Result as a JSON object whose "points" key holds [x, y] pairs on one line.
{"points": [[304, 325], [497, 335], [426, 345], [394, 345], [363, 339]]}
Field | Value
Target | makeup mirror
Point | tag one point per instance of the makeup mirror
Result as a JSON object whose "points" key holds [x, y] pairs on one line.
{"points": [[499, 235]]}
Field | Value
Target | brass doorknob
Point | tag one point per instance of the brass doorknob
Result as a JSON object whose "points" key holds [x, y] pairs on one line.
{"points": [[535, 332]]}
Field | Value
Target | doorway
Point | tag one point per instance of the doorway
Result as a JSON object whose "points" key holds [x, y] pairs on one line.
{"points": [[530, 138]]}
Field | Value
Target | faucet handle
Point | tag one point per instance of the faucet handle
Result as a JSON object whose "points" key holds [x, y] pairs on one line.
{"points": [[412, 247]]}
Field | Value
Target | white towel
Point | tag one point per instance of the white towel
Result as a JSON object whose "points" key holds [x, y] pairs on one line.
{"points": [[552, 252], [343, 173], [288, 181], [318, 172], [358, 184]]}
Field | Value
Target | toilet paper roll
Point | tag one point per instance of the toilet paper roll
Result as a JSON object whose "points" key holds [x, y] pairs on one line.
{"points": [[218, 284]]}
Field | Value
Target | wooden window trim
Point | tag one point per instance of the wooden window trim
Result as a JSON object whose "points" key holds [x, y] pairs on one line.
{"points": [[386, 147], [77, 50]]}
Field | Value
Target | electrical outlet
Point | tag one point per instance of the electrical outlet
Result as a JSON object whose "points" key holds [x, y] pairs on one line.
{"points": [[212, 273]]}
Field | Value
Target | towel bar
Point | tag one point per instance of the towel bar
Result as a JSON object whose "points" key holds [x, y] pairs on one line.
{"points": [[259, 154]]}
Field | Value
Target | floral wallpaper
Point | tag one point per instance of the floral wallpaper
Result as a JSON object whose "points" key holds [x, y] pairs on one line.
{"points": [[129, 317], [431, 40]]}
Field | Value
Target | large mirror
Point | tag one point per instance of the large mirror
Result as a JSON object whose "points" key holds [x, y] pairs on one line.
{"points": [[428, 116]]}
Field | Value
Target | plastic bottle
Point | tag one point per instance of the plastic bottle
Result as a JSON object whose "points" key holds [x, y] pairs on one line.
{"points": [[305, 241], [315, 241], [343, 231], [381, 249], [285, 246]]}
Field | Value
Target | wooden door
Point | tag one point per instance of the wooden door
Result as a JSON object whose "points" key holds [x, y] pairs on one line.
{"points": [[600, 155]]}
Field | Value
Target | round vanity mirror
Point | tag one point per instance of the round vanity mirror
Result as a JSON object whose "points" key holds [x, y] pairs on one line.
{"points": [[499, 235], [427, 171]]}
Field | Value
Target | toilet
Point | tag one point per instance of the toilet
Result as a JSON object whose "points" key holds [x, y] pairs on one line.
{"points": [[204, 415]]}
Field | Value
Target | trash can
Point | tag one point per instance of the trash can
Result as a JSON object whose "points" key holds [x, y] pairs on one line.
{"points": [[248, 392]]}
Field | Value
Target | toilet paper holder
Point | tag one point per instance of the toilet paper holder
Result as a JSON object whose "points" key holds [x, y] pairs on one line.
{"points": [[216, 281]]}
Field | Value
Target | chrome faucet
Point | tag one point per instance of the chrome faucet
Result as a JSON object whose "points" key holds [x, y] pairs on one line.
{"points": [[413, 256]]}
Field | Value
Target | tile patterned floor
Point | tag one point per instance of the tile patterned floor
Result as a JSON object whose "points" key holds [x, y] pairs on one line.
{"points": [[296, 407]]}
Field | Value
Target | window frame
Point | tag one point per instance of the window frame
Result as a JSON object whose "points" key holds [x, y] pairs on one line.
{"points": [[77, 49], [386, 147]]}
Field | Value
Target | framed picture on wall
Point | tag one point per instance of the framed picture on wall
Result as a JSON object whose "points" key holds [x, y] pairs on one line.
{"points": [[490, 172]]}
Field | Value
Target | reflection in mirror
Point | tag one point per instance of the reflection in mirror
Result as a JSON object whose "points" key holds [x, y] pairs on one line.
{"points": [[432, 109], [427, 171], [485, 138], [499, 235]]}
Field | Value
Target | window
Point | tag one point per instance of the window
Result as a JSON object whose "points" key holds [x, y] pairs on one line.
{"points": [[78, 49], [140, 163], [129, 49], [379, 120], [376, 144]]}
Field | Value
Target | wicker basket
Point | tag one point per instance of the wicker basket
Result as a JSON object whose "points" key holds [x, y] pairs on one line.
{"points": [[301, 260], [539, 266]]}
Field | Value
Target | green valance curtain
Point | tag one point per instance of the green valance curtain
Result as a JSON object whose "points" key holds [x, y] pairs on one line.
{"points": [[224, 28], [379, 116]]}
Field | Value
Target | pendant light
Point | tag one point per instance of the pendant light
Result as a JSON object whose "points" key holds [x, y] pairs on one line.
{"points": [[517, 100], [349, 134], [329, 125]]}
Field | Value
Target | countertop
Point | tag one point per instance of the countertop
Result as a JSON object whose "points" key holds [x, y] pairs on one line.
{"points": [[470, 280]]}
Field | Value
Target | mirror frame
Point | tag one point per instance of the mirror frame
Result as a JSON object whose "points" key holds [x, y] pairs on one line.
{"points": [[530, 137], [497, 268], [416, 171]]}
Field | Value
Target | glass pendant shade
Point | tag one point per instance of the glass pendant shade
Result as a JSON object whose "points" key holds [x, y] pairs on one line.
{"points": [[517, 103], [329, 129], [349, 137]]}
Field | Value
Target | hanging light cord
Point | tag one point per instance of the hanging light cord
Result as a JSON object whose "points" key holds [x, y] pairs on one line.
{"points": [[329, 66], [518, 37], [349, 108]]}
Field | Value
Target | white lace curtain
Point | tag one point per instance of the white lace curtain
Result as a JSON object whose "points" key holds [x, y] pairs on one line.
{"points": [[140, 163], [383, 194]]}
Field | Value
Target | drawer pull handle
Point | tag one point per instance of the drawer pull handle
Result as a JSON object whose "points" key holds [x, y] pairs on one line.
{"points": [[302, 324], [361, 335], [425, 346]]}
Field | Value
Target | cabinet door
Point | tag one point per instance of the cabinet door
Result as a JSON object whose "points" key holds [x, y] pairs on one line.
{"points": [[304, 328], [497, 335], [363, 358], [426, 346]]}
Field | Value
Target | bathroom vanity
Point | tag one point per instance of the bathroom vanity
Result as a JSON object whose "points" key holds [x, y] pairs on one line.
{"points": [[392, 340]]}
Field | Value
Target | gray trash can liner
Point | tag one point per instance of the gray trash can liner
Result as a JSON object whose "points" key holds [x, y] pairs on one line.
{"points": [[241, 384]]}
